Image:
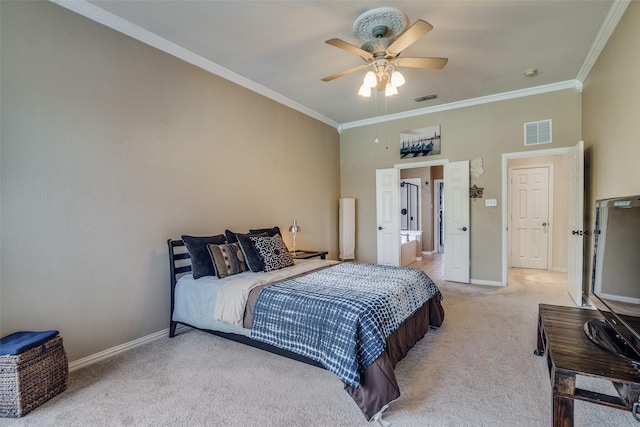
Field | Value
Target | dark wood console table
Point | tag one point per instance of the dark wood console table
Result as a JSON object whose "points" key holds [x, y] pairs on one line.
{"points": [[570, 352]]}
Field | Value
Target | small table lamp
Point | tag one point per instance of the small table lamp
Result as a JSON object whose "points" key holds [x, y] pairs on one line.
{"points": [[294, 229]]}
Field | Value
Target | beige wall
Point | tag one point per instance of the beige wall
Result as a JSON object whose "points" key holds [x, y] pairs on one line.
{"points": [[484, 131], [611, 113], [110, 147], [611, 120]]}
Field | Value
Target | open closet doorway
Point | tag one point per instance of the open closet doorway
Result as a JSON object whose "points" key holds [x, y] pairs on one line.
{"points": [[565, 167]]}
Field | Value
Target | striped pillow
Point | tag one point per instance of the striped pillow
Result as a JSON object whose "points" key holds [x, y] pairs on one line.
{"points": [[227, 259]]}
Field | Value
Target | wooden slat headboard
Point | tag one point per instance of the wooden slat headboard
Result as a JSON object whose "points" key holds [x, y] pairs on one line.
{"points": [[174, 257], [177, 266]]}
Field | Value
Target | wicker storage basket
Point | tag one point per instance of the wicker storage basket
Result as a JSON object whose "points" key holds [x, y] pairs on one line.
{"points": [[30, 378]]}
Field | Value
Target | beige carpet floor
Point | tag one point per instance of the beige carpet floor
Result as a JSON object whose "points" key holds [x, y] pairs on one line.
{"points": [[478, 369]]}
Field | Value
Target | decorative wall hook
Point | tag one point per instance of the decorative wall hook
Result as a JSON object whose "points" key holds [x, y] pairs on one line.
{"points": [[476, 170], [475, 192]]}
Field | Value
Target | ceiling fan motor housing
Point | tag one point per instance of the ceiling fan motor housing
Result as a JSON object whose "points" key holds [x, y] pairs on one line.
{"points": [[378, 47], [379, 31]]}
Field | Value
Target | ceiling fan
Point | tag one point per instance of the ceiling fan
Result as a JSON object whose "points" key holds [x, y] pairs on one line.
{"points": [[381, 51]]}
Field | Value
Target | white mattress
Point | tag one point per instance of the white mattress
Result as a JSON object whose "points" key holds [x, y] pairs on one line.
{"points": [[195, 299]]}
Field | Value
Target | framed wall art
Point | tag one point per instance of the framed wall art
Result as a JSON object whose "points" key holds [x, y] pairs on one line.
{"points": [[420, 142]]}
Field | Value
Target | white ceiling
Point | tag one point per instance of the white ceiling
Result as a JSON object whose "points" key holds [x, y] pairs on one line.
{"points": [[278, 48]]}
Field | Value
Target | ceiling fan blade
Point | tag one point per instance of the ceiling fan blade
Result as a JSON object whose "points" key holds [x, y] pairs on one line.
{"points": [[417, 30], [433, 63], [345, 72], [350, 48]]}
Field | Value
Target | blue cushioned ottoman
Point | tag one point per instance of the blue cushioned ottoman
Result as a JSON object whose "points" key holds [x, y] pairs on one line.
{"points": [[33, 369]]}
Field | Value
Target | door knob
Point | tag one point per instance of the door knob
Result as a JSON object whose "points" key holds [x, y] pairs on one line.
{"points": [[544, 224], [463, 228], [380, 228]]}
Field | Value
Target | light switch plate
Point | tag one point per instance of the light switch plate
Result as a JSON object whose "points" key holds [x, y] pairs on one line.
{"points": [[491, 202]]}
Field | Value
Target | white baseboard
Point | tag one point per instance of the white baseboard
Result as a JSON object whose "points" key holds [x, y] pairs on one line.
{"points": [[110, 352], [486, 282]]}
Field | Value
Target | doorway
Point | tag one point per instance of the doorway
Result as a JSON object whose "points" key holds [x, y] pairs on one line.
{"points": [[564, 192], [455, 214], [425, 221], [388, 207]]}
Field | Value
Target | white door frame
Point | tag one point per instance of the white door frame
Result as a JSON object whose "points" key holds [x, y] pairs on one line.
{"points": [[505, 194], [436, 217]]}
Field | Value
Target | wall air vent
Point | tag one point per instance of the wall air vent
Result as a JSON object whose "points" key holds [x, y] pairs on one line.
{"points": [[537, 132], [425, 98]]}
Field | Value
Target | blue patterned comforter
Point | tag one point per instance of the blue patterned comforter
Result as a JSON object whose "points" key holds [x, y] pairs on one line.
{"points": [[340, 316]]}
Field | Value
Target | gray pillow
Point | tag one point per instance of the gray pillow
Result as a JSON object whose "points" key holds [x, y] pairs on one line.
{"points": [[251, 257], [272, 251], [201, 264], [231, 236], [270, 231]]}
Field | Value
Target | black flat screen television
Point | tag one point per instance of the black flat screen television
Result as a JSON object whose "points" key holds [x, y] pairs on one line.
{"points": [[615, 281]]}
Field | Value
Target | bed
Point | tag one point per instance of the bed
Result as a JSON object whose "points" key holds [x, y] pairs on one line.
{"points": [[278, 311]]}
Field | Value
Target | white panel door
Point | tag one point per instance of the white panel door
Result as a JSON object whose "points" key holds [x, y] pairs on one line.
{"points": [[456, 222], [388, 216], [576, 218], [529, 217]]}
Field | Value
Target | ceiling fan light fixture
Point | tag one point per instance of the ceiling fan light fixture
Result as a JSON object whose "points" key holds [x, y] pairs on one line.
{"points": [[386, 35], [390, 90], [365, 91], [397, 79], [370, 79]]}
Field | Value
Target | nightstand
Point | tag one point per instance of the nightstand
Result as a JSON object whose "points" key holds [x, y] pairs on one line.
{"points": [[308, 254]]}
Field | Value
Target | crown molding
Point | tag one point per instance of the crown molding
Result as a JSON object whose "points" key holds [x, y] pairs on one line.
{"points": [[569, 84], [101, 16], [609, 24]]}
